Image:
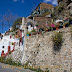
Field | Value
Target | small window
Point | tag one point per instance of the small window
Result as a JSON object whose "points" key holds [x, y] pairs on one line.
{"points": [[2, 46]]}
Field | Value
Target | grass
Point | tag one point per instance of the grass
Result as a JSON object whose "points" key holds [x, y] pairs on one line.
{"points": [[11, 62]]}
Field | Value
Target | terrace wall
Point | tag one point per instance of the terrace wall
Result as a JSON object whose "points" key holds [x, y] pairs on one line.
{"points": [[38, 50]]}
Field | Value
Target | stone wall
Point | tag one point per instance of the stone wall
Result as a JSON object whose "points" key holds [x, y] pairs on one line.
{"points": [[44, 6], [38, 50], [16, 55]]}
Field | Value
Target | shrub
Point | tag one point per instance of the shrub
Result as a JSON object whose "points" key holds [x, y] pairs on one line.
{"points": [[57, 41], [12, 43], [9, 61], [2, 59], [9, 52], [28, 33]]}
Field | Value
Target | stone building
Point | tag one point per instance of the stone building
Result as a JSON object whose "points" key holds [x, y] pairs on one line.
{"points": [[40, 15]]}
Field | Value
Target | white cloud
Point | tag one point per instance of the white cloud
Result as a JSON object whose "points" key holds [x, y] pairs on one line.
{"points": [[46, 1], [55, 2], [18, 1]]}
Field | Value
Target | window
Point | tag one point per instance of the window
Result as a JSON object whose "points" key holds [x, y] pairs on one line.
{"points": [[2, 46]]}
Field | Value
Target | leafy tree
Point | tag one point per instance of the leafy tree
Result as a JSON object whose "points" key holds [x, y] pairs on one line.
{"points": [[17, 22]]}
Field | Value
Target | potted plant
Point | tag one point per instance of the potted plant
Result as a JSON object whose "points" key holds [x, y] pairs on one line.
{"points": [[28, 34], [33, 32], [52, 26]]}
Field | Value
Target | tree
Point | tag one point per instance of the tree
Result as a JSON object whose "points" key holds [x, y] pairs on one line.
{"points": [[16, 22], [8, 18]]}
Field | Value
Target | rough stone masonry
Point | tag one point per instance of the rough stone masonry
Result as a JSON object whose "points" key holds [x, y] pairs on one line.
{"points": [[38, 50]]}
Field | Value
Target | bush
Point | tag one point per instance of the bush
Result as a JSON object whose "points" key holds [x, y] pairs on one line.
{"points": [[9, 52], [2, 59], [12, 43], [28, 33], [9, 61], [57, 41]]}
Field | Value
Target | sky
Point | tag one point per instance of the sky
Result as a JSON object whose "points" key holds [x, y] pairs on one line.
{"points": [[20, 8]]}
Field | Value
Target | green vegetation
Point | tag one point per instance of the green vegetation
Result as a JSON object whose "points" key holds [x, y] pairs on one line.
{"points": [[28, 33], [17, 22], [33, 30], [9, 61], [57, 41], [12, 43], [60, 7], [9, 52]]}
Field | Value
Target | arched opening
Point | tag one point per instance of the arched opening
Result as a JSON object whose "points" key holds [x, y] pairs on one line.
{"points": [[30, 26]]}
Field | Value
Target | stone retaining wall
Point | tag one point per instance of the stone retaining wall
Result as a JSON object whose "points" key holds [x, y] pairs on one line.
{"points": [[38, 50]]}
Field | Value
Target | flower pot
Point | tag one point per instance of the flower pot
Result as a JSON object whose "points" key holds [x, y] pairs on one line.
{"points": [[63, 26], [46, 30], [57, 28], [33, 33], [29, 34]]}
